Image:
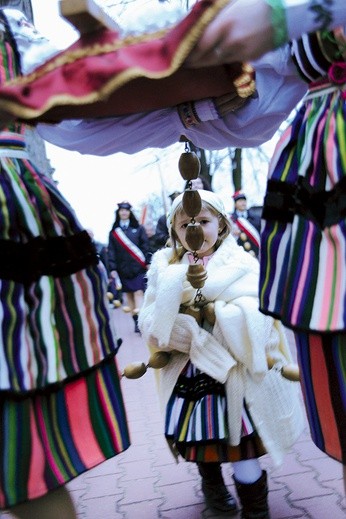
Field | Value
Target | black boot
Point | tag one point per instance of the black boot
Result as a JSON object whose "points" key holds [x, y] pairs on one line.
{"points": [[135, 318], [214, 489], [254, 498]]}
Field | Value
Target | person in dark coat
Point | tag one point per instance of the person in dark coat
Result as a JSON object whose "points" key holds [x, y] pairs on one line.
{"points": [[129, 257], [247, 224]]}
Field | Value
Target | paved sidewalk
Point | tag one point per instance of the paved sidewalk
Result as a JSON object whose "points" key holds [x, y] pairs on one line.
{"points": [[145, 482]]}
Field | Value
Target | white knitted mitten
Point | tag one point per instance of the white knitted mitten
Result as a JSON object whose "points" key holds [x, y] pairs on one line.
{"points": [[185, 327], [204, 350], [210, 356]]}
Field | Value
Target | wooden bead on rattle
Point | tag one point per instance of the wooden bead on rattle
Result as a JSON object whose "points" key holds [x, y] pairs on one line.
{"points": [[194, 236], [192, 203], [196, 275], [157, 360], [135, 370], [189, 165]]}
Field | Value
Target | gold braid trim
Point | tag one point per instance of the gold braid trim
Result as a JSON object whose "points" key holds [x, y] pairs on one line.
{"points": [[74, 55], [184, 48]]}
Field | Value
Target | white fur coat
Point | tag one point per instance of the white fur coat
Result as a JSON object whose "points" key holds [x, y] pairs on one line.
{"points": [[235, 352]]}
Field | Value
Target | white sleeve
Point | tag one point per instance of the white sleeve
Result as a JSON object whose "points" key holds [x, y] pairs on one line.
{"points": [[279, 89], [303, 16], [128, 134]]}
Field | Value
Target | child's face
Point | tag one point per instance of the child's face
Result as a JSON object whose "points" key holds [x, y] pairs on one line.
{"points": [[210, 224]]}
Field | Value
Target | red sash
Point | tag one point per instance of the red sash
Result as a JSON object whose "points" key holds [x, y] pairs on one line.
{"points": [[250, 231], [129, 246]]}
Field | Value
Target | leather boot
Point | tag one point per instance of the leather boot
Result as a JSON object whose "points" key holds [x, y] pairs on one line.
{"points": [[254, 498], [135, 318], [214, 489]]}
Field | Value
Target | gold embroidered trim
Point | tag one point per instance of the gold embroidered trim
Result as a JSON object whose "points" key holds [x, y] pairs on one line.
{"points": [[112, 85], [74, 55]]}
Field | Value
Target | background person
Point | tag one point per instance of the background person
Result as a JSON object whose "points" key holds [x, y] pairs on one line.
{"points": [[129, 257], [247, 224]]}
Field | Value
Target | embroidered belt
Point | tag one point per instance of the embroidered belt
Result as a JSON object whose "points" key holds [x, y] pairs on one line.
{"points": [[59, 256], [198, 386], [325, 208]]}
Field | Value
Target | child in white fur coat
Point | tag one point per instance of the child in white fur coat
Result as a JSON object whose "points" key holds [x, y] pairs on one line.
{"points": [[221, 402]]}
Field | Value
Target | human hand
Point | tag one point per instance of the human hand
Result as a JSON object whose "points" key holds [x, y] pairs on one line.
{"points": [[242, 31], [114, 275], [228, 103]]}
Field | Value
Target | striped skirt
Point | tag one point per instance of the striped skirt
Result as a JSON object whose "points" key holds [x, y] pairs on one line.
{"points": [[196, 421], [322, 362], [54, 320], [49, 438], [303, 235], [303, 256], [61, 407]]}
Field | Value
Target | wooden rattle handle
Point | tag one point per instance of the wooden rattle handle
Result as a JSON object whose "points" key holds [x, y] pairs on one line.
{"points": [[86, 15]]}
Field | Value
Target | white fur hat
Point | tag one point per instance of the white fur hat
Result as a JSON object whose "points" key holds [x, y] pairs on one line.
{"points": [[207, 196]]}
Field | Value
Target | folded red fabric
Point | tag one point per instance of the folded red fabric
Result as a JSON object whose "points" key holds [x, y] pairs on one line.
{"points": [[102, 75]]}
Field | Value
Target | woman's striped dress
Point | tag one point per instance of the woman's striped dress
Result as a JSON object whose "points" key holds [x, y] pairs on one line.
{"points": [[303, 240], [61, 407]]}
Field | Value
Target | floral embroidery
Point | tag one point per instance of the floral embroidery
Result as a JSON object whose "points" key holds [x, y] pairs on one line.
{"points": [[337, 73]]}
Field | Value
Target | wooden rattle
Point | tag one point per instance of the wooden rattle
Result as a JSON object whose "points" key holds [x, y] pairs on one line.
{"points": [[189, 167]]}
